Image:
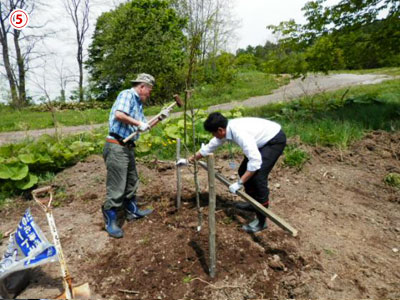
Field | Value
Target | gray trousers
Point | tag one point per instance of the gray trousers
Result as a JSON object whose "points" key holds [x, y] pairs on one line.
{"points": [[122, 178]]}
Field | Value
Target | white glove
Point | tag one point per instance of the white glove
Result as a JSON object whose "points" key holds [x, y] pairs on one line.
{"points": [[143, 126], [164, 114], [234, 187], [182, 162]]}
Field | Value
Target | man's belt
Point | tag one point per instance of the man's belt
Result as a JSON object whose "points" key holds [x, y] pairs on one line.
{"points": [[113, 141]]}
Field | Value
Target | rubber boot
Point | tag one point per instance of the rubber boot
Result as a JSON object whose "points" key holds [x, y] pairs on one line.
{"points": [[133, 212], [110, 219], [244, 206], [256, 225]]}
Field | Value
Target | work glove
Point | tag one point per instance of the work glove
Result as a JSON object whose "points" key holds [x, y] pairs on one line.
{"points": [[143, 126], [234, 187], [164, 114], [182, 162]]}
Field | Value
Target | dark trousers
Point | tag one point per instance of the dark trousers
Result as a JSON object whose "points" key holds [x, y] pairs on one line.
{"points": [[257, 185], [122, 178]]}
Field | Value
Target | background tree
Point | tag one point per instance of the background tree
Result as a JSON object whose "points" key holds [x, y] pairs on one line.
{"points": [[139, 36], [18, 59], [351, 34], [79, 10]]}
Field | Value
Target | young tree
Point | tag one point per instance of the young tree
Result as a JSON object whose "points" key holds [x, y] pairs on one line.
{"points": [[79, 10]]}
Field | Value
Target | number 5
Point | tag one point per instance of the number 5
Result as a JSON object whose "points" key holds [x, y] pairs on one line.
{"points": [[19, 18]]}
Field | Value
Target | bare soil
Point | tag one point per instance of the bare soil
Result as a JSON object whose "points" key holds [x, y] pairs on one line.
{"points": [[347, 247]]}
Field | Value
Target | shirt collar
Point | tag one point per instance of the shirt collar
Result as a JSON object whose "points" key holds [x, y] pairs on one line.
{"points": [[136, 95]]}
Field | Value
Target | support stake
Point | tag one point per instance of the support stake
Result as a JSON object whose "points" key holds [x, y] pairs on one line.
{"points": [[211, 213]]}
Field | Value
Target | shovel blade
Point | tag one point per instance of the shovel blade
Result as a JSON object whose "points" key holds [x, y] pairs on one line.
{"points": [[78, 292]]}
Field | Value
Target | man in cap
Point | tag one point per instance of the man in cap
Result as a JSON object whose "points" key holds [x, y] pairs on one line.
{"points": [[126, 117]]}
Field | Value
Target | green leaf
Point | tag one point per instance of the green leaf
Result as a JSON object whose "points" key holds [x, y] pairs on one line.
{"points": [[5, 172], [27, 158], [173, 132], [18, 170], [79, 147], [142, 147], [28, 182]]}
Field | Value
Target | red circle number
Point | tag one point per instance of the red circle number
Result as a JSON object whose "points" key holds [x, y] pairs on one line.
{"points": [[19, 19]]}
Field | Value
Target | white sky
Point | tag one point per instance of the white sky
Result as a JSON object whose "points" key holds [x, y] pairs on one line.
{"points": [[256, 15], [252, 15]]}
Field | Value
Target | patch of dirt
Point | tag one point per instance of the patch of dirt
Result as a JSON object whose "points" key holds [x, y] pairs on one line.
{"points": [[348, 222]]}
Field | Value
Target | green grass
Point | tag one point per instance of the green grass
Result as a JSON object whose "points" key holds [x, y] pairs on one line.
{"points": [[25, 119], [247, 84], [338, 118]]}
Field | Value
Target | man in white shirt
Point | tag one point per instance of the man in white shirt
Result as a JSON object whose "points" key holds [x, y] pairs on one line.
{"points": [[262, 142]]}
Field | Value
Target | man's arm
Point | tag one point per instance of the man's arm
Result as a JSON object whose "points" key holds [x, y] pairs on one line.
{"points": [[124, 118]]}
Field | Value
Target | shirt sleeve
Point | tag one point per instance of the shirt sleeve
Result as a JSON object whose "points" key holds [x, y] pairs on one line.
{"points": [[250, 149], [123, 102], [211, 146]]}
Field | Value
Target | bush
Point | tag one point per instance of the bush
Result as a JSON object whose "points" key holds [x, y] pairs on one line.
{"points": [[295, 157], [392, 179]]}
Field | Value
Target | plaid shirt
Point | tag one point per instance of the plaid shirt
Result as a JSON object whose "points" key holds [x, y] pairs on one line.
{"points": [[128, 102]]}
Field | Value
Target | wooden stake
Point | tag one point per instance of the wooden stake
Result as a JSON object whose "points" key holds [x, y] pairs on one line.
{"points": [[265, 211], [178, 175], [211, 213]]}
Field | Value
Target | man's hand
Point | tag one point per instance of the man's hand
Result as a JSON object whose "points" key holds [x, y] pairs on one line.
{"points": [[234, 187], [143, 126], [164, 114], [182, 162]]}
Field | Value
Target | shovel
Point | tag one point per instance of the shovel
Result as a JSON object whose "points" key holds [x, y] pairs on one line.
{"points": [[79, 292]]}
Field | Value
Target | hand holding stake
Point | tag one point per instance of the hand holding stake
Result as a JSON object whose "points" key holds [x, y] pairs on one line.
{"points": [[159, 117]]}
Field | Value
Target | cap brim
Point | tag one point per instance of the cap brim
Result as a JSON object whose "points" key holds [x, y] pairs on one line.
{"points": [[136, 81]]}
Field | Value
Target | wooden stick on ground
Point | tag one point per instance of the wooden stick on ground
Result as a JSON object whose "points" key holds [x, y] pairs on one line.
{"points": [[265, 211], [211, 213]]}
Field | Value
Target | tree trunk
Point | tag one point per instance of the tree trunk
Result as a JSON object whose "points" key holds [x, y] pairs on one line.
{"points": [[80, 63], [21, 71], [7, 64]]}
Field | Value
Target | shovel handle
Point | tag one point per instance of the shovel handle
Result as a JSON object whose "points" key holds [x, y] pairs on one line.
{"points": [[45, 203], [152, 122]]}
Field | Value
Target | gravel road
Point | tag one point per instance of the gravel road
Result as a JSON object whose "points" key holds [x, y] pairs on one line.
{"points": [[313, 84]]}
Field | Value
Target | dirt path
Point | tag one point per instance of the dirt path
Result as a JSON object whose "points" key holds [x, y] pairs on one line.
{"points": [[313, 84], [347, 247]]}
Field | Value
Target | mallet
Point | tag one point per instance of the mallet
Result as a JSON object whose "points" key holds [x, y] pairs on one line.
{"points": [[155, 120]]}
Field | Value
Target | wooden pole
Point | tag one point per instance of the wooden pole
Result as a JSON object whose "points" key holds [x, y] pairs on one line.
{"points": [[178, 175], [265, 211], [211, 213]]}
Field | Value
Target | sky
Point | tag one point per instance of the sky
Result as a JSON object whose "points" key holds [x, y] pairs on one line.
{"points": [[256, 15], [251, 19]]}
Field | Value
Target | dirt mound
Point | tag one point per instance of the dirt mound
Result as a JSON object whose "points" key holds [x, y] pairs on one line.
{"points": [[348, 222]]}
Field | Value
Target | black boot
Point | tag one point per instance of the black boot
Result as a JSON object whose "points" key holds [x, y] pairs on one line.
{"points": [[244, 206]]}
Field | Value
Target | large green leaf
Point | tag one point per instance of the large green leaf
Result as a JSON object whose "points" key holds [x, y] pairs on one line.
{"points": [[18, 170], [44, 159], [173, 132], [28, 158], [28, 182], [79, 147], [5, 172], [142, 147]]}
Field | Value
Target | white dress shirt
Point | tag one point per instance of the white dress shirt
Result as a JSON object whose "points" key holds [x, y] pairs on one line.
{"points": [[249, 134]]}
